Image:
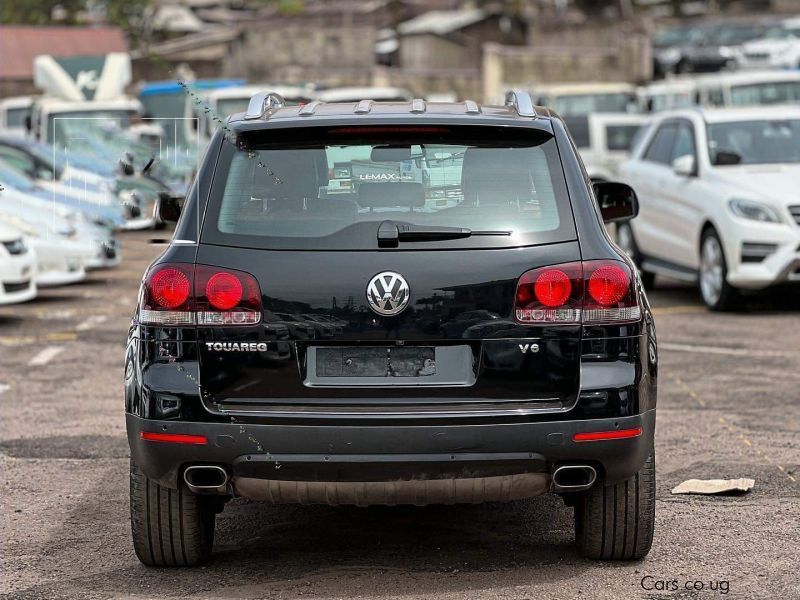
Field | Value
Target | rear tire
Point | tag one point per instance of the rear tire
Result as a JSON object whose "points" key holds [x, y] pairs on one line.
{"points": [[627, 244], [171, 528], [616, 522]]}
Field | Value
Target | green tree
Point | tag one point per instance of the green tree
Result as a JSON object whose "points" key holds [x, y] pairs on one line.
{"points": [[128, 15], [37, 12]]}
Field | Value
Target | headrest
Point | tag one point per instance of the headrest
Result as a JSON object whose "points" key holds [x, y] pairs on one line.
{"points": [[496, 175], [390, 153], [336, 208], [288, 173], [379, 195]]}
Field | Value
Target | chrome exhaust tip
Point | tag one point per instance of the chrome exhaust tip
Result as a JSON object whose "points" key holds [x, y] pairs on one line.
{"points": [[574, 478], [206, 479]]}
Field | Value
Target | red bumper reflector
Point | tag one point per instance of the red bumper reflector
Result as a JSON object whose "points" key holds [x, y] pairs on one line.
{"points": [[617, 434], [173, 438]]}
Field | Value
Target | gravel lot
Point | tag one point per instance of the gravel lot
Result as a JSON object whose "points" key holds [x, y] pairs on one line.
{"points": [[729, 406]]}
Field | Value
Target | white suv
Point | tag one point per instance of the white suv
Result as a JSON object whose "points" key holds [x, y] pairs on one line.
{"points": [[719, 202]]}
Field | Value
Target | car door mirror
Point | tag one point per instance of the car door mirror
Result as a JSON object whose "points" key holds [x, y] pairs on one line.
{"points": [[684, 166], [126, 168], [168, 208], [617, 201]]}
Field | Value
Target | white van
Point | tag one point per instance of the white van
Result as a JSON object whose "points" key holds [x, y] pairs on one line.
{"points": [[669, 94], [604, 141], [748, 88], [587, 98]]}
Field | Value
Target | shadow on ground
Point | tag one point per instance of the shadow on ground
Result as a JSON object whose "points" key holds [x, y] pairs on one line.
{"points": [[259, 546]]}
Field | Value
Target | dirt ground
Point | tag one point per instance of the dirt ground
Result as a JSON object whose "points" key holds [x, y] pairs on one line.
{"points": [[729, 406]]}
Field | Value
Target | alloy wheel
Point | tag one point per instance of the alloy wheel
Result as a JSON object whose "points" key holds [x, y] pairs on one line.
{"points": [[712, 276], [625, 241]]}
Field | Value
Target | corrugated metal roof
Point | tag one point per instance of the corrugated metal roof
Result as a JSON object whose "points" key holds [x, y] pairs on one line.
{"points": [[441, 22], [20, 44], [176, 18], [212, 35]]}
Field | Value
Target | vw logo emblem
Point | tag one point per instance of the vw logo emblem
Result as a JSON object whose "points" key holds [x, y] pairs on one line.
{"points": [[388, 293]]}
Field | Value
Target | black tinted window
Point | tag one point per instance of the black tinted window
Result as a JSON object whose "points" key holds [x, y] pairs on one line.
{"points": [[660, 149], [578, 127], [757, 94], [15, 117], [684, 142], [620, 137], [333, 188]]}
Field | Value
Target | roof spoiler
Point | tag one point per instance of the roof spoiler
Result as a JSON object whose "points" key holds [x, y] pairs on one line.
{"points": [[522, 103], [262, 103]]}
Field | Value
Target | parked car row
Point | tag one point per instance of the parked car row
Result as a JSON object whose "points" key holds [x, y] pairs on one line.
{"points": [[48, 239], [736, 89], [708, 47], [60, 210], [715, 166], [603, 118]]}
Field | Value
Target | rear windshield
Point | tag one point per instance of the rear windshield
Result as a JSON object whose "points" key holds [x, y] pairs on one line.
{"points": [[332, 188]]}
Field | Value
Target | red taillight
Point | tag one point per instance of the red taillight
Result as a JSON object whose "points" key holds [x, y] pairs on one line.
{"points": [[550, 295], [226, 297], [595, 291], [173, 438], [224, 291], [170, 288], [185, 294], [552, 287], [608, 284], [616, 434]]}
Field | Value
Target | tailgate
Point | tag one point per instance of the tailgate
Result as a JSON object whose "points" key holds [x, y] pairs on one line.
{"points": [[455, 343]]}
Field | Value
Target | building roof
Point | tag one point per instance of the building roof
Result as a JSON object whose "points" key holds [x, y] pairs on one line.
{"points": [[212, 35], [442, 22], [176, 18], [20, 44]]}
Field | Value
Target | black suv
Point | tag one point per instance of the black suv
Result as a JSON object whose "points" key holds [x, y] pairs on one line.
{"points": [[452, 208]]}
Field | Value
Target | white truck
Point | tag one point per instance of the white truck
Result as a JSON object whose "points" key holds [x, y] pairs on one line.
{"points": [[78, 92], [14, 114]]}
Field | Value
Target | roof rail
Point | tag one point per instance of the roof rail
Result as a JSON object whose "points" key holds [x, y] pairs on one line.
{"points": [[418, 105], [471, 107], [308, 109], [522, 102], [261, 103], [363, 107]]}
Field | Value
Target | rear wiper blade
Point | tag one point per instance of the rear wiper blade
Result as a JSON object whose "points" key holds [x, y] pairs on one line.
{"points": [[391, 233]]}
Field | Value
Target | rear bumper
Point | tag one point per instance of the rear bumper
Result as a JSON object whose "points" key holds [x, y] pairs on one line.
{"points": [[333, 453]]}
